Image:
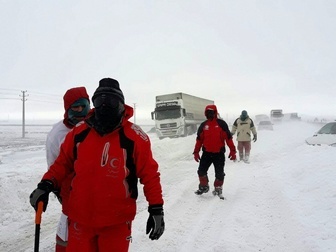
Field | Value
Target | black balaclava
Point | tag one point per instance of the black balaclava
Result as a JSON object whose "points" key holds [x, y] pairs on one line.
{"points": [[210, 114], [109, 102]]}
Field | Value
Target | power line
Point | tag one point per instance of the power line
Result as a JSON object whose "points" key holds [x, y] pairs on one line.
{"points": [[1, 93], [9, 98], [31, 92], [47, 98], [44, 101], [53, 95], [10, 89]]}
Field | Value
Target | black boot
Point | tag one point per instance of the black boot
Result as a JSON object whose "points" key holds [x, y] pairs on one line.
{"points": [[218, 190], [202, 189]]}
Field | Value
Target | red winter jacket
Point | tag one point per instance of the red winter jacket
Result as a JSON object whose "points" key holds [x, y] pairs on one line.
{"points": [[212, 135], [107, 168]]}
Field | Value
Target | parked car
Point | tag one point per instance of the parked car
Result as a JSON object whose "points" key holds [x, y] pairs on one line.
{"points": [[325, 136], [261, 117], [265, 125]]}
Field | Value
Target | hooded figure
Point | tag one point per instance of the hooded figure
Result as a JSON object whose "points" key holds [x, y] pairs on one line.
{"points": [[76, 106], [212, 135], [244, 125], [210, 112], [109, 156], [244, 115]]}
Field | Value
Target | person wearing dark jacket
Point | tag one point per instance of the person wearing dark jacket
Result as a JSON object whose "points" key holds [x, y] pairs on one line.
{"points": [[109, 156], [212, 135]]}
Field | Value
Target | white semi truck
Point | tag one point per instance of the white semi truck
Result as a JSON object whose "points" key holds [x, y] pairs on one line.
{"points": [[276, 115], [178, 114]]}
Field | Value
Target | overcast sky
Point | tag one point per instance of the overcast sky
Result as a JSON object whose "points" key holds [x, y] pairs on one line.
{"points": [[255, 55]]}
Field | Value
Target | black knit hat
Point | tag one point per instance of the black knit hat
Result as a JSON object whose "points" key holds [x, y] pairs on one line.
{"points": [[109, 86]]}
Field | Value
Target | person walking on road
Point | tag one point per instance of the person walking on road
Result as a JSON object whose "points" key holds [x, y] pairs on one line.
{"points": [[212, 135], [244, 126]]}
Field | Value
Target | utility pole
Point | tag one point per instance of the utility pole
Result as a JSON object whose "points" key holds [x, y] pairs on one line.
{"points": [[23, 113], [134, 105]]}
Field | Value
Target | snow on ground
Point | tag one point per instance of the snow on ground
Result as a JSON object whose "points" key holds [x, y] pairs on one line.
{"points": [[284, 200]]}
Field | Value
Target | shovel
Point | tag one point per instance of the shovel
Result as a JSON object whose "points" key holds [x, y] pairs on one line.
{"points": [[38, 218]]}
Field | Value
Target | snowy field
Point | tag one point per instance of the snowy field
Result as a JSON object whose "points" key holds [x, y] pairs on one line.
{"points": [[284, 200]]}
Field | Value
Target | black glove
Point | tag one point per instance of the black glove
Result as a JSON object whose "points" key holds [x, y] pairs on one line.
{"points": [[41, 193], [255, 138], [58, 195], [155, 222]]}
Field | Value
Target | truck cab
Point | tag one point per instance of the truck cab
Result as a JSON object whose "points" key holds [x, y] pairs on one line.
{"points": [[169, 119], [276, 115]]}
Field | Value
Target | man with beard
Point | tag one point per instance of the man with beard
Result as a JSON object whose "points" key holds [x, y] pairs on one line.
{"points": [[108, 155]]}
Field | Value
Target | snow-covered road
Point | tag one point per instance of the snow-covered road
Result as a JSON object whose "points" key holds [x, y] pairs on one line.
{"points": [[283, 200]]}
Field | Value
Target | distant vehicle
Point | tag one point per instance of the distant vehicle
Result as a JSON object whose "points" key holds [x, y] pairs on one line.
{"points": [[265, 125], [261, 117], [178, 114], [294, 116], [276, 115], [291, 117], [325, 136]]}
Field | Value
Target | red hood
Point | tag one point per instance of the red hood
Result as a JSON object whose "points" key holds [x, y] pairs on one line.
{"points": [[211, 107], [73, 95]]}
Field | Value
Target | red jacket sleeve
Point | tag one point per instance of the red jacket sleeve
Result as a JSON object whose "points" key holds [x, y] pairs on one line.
{"points": [[147, 170], [199, 139], [63, 164], [198, 146], [231, 145]]}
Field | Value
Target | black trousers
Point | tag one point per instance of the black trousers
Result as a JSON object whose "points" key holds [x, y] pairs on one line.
{"points": [[217, 159]]}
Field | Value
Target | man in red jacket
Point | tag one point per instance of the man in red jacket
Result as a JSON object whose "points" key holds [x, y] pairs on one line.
{"points": [[211, 137], [108, 155]]}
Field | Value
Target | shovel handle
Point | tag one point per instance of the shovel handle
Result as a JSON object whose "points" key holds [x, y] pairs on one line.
{"points": [[39, 211], [38, 217]]}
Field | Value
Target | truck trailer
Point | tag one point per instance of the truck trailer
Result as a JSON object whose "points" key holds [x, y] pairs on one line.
{"points": [[178, 114]]}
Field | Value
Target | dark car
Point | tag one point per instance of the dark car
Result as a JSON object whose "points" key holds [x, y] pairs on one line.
{"points": [[265, 125]]}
